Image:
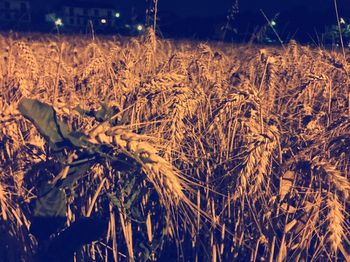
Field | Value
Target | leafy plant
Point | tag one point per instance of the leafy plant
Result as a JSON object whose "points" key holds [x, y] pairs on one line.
{"points": [[49, 209]]}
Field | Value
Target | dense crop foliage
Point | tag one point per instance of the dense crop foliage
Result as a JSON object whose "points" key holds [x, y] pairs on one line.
{"points": [[146, 149]]}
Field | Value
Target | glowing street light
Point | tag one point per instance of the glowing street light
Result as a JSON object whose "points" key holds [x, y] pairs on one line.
{"points": [[273, 23], [58, 22], [342, 21], [103, 21], [139, 27], [117, 15]]}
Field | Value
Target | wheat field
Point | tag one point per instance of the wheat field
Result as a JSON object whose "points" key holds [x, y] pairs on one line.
{"points": [[196, 151]]}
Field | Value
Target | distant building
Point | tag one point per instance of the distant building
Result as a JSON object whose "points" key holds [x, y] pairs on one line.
{"points": [[76, 16], [15, 14]]}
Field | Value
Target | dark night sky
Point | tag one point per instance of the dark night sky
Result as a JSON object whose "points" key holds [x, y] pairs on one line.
{"points": [[205, 8], [185, 18], [219, 7], [195, 7]]}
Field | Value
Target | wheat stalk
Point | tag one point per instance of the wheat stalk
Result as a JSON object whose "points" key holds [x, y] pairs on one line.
{"points": [[334, 176], [168, 181], [335, 218]]}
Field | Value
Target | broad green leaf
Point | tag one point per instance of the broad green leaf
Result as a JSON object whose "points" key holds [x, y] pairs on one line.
{"points": [[44, 118], [49, 212], [51, 202]]}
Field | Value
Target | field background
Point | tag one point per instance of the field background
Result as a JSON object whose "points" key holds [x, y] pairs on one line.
{"points": [[259, 137]]}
